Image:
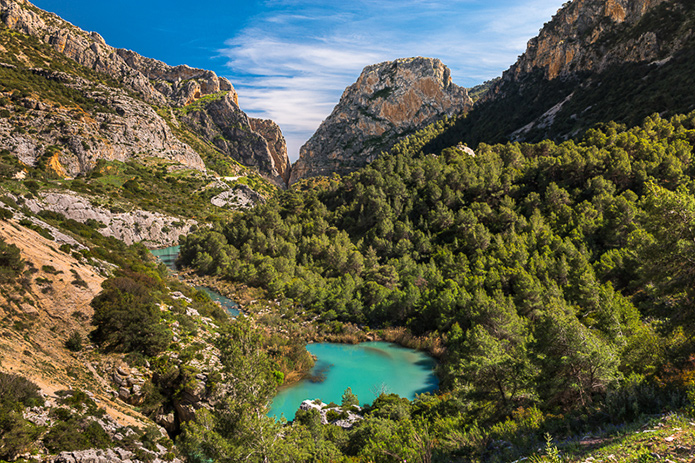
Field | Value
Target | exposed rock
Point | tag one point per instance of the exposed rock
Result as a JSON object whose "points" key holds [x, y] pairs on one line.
{"points": [[563, 46], [323, 409], [151, 228], [167, 421], [123, 128], [276, 145], [585, 45], [388, 101], [128, 127], [240, 197], [228, 128], [108, 456], [188, 84]]}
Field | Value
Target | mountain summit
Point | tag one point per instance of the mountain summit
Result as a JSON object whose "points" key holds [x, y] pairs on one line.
{"points": [[93, 102], [389, 100]]}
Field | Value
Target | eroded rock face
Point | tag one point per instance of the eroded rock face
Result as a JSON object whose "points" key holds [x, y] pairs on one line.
{"points": [[227, 127], [388, 100], [589, 50], [573, 41], [563, 45], [125, 128], [276, 144], [153, 229], [134, 128]]}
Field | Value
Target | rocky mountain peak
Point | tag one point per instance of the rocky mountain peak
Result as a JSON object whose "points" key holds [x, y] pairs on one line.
{"points": [[128, 126], [387, 101], [574, 39]]}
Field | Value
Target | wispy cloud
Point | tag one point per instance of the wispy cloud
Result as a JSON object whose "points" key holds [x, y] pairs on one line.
{"points": [[292, 63]]}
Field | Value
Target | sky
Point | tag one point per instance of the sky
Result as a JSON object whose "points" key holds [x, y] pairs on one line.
{"points": [[290, 60]]}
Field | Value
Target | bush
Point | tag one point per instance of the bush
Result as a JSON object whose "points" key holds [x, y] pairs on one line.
{"points": [[17, 435], [74, 342], [15, 390], [128, 319], [11, 263]]}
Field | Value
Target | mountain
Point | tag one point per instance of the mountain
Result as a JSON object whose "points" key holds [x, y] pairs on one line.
{"points": [[595, 61], [113, 104], [389, 101]]}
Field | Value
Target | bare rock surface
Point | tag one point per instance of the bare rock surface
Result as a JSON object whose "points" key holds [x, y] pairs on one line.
{"points": [[563, 46], [345, 422], [124, 125], [151, 228], [388, 101]]}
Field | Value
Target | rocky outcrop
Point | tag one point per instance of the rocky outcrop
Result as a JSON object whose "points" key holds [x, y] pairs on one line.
{"points": [[229, 129], [239, 197], [116, 455], [572, 40], [388, 101], [140, 74], [592, 52], [345, 419], [122, 127], [153, 229], [277, 146], [119, 128]]}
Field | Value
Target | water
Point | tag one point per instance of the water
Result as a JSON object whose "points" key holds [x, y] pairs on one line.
{"points": [[368, 368], [168, 257], [229, 305]]}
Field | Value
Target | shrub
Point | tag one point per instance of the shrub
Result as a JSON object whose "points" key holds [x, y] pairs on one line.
{"points": [[128, 319], [74, 342], [11, 263]]}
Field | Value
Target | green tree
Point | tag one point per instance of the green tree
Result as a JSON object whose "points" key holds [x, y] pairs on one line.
{"points": [[127, 318]]}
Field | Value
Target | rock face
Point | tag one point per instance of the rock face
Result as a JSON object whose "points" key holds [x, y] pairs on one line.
{"points": [[122, 128], [564, 45], [124, 124], [153, 229], [228, 128], [590, 58], [389, 100], [277, 146]]}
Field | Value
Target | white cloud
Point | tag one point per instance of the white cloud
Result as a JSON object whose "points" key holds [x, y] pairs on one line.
{"points": [[292, 64]]}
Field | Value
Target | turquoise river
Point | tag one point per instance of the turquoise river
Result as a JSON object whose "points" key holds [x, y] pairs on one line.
{"points": [[368, 368], [168, 257]]}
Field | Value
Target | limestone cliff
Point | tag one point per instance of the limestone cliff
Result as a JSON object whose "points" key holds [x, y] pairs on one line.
{"points": [[572, 40], [388, 101], [110, 112], [277, 146], [595, 61], [229, 129]]}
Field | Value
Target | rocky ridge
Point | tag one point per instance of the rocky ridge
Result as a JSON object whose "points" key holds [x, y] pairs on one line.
{"points": [[389, 100], [124, 126], [153, 229], [590, 52], [566, 44]]}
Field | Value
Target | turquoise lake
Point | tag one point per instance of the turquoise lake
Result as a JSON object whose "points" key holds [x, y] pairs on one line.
{"points": [[367, 368]]}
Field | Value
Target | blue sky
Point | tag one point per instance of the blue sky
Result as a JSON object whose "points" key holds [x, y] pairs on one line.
{"points": [[290, 60]]}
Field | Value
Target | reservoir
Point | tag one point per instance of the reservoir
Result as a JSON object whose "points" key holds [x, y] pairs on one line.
{"points": [[368, 368]]}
